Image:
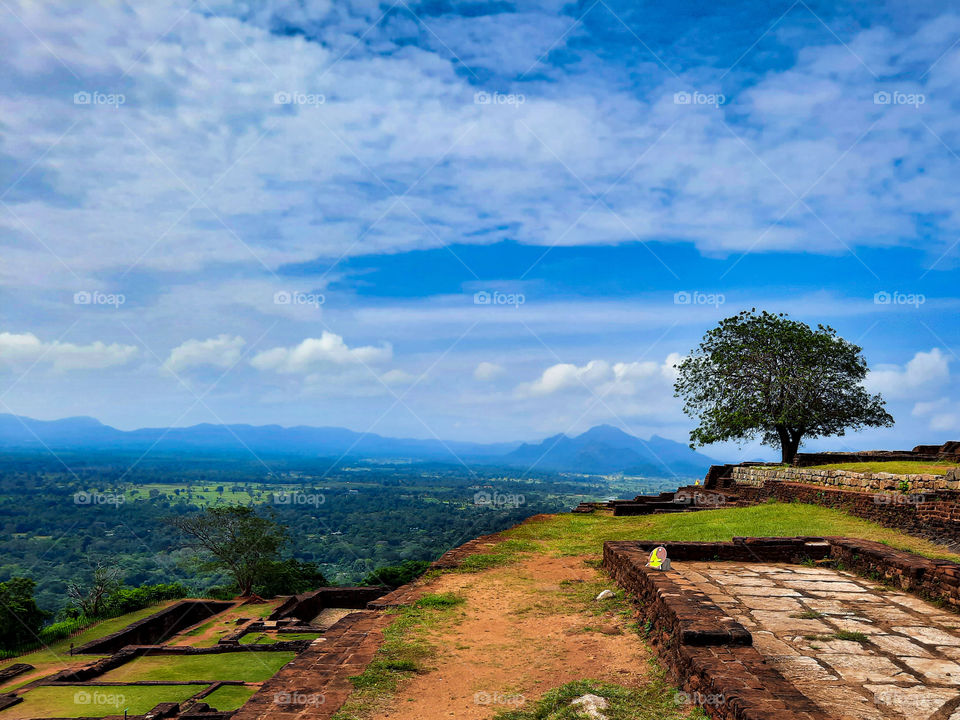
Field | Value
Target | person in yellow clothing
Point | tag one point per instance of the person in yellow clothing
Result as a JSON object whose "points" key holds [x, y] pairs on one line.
{"points": [[658, 559]]}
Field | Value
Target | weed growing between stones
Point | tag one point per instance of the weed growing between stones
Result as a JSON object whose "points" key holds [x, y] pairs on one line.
{"points": [[655, 701]]}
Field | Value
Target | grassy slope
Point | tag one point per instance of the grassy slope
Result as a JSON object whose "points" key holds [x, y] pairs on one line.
{"points": [[907, 467], [575, 534], [59, 653]]}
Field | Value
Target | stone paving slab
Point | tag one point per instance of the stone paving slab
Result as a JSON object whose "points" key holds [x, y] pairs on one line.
{"points": [[903, 662]]}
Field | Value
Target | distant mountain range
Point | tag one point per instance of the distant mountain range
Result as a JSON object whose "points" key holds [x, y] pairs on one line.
{"points": [[603, 449]]}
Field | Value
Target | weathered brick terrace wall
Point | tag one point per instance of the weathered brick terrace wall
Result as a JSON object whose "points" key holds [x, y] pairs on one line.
{"points": [[931, 579], [948, 452], [844, 479], [934, 515], [158, 627], [308, 605], [707, 651], [711, 654]]}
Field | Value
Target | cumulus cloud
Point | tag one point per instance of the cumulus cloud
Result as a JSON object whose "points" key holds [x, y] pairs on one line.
{"points": [[316, 354], [222, 351], [27, 348], [941, 414], [604, 378], [487, 371], [303, 189], [397, 377], [924, 373]]}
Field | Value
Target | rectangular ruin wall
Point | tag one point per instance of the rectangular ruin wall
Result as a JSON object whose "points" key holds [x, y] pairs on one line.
{"points": [[948, 452], [712, 655], [757, 475], [158, 627], [931, 514]]}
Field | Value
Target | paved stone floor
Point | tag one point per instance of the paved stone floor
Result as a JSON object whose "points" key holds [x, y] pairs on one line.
{"points": [[905, 662]]}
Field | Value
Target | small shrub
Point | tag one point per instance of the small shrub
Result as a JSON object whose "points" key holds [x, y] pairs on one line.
{"points": [[439, 600]]}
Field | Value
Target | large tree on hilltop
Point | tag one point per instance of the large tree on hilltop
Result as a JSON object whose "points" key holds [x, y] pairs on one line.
{"points": [[251, 548], [765, 374], [238, 540]]}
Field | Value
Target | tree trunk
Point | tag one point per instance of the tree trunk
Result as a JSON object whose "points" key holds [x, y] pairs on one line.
{"points": [[789, 443]]}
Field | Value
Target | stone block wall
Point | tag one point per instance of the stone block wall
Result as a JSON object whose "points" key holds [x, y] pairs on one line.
{"points": [[935, 516], [158, 627], [757, 475], [308, 605], [706, 651], [948, 452]]}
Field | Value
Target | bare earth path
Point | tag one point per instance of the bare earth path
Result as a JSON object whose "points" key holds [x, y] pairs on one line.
{"points": [[525, 629]]}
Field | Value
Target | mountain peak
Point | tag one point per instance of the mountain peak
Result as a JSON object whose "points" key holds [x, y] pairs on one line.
{"points": [[608, 434]]}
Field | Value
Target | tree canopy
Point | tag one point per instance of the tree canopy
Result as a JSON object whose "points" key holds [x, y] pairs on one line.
{"points": [[20, 618], [765, 374], [245, 544]]}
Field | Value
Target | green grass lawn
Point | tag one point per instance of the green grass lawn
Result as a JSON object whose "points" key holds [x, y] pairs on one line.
{"points": [[59, 653], [246, 666], [907, 467], [90, 701], [229, 697], [269, 639], [582, 534]]}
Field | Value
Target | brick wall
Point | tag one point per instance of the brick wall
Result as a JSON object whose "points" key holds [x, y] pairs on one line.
{"points": [[757, 475], [934, 516], [158, 627]]}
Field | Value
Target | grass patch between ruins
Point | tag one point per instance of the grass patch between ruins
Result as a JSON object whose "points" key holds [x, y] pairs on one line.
{"points": [[246, 666], [96, 701], [57, 654], [229, 697], [905, 467], [655, 701], [406, 650]]}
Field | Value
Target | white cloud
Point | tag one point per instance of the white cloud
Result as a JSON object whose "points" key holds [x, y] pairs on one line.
{"points": [[487, 371], [26, 348], [924, 373], [941, 414], [303, 189], [397, 377], [604, 378], [316, 354], [222, 351]]}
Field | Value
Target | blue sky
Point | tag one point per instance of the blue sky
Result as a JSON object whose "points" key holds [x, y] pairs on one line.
{"points": [[284, 211]]}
